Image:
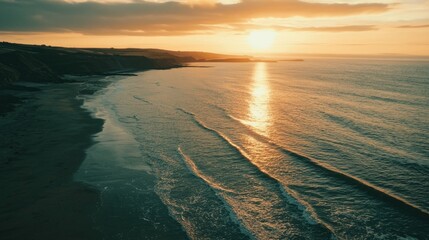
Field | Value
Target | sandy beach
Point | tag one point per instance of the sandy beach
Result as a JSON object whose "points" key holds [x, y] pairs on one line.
{"points": [[43, 143]]}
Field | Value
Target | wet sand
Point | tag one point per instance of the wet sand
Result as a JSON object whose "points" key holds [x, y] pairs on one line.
{"points": [[42, 145]]}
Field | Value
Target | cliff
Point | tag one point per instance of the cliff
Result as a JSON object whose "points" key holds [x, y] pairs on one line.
{"points": [[41, 63], [16, 66], [47, 64], [8, 75]]}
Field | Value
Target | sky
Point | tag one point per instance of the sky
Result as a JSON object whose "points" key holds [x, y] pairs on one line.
{"points": [[224, 26]]}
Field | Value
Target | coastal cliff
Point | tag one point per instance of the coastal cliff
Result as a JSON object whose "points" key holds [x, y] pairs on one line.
{"points": [[18, 66], [48, 64], [41, 63]]}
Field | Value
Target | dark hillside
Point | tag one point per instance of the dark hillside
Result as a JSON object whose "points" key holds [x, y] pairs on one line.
{"points": [[41, 63], [47, 64]]}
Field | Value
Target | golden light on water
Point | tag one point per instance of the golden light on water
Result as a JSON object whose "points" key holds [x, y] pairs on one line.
{"points": [[259, 115]]}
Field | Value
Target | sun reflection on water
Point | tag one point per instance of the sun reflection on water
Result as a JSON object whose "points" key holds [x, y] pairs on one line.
{"points": [[259, 115]]}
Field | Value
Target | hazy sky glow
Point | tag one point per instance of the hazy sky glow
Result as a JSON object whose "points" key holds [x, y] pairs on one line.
{"points": [[311, 26]]}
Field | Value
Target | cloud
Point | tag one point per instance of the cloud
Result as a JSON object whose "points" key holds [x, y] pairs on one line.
{"points": [[414, 26], [351, 28], [346, 28], [201, 2], [138, 17]]}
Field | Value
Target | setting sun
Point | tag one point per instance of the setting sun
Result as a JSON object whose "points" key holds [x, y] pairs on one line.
{"points": [[261, 39]]}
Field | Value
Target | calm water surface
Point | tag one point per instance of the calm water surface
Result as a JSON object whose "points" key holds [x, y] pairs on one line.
{"points": [[320, 149]]}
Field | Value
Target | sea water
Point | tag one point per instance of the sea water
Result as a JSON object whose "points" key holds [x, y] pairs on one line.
{"points": [[320, 149]]}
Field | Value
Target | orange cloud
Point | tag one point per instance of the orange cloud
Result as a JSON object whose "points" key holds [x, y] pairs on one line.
{"points": [[414, 26], [345, 28], [351, 28], [167, 18]]}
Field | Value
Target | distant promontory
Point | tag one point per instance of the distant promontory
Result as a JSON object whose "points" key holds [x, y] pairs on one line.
{"points": [[41, 63]]}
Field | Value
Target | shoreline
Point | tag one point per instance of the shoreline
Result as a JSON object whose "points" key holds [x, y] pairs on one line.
{"points": [[117, 167], [44, 143]]}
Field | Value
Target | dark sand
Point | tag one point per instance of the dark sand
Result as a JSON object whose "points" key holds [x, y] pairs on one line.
{"points": [[42, 145]]}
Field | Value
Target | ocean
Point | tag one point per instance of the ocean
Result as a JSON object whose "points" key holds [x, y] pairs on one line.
{"points": [[320, 149]]}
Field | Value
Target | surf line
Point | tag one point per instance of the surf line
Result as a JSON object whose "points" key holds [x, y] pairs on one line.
{"points": [[218, 191], [367, 186], [288, 194], [142, 99]]}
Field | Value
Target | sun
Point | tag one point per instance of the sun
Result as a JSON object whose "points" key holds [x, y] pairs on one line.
{"points": [[261, 40]]}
